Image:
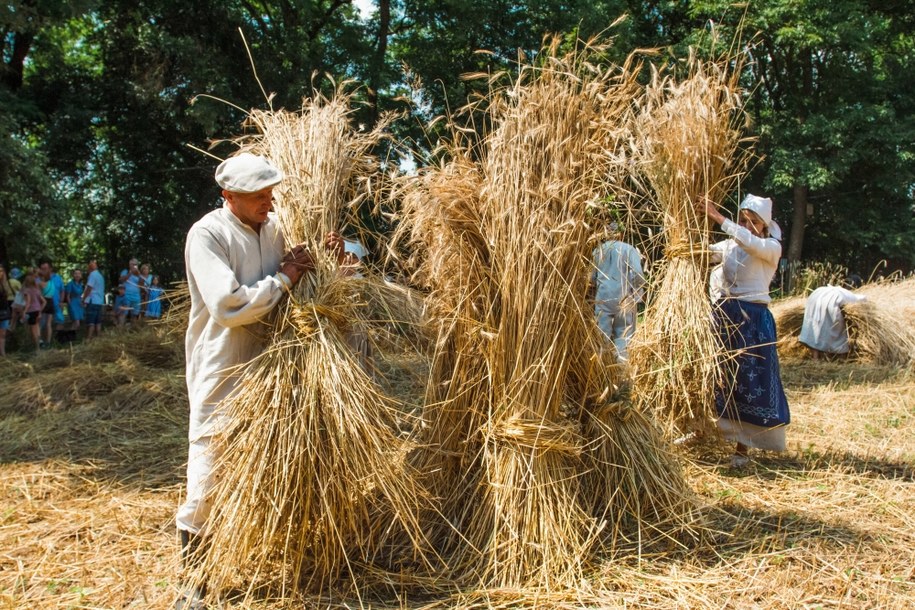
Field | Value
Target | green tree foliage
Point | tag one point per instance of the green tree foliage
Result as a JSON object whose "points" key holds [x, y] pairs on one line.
{"points": [[833, 105], [439, 41], [31, 197], [100, 101]]}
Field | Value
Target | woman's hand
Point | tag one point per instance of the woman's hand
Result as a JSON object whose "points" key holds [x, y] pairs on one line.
{"points": [[706, 207]]}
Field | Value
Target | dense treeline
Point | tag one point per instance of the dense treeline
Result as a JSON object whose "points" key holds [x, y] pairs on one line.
{"points": [[100, 101]]}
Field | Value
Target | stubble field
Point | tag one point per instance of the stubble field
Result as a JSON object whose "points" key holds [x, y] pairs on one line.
{"points": [[92, 450]]}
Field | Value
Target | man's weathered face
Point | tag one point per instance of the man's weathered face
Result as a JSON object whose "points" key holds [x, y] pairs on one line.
{"points": [[92, 266], [251, 208]]}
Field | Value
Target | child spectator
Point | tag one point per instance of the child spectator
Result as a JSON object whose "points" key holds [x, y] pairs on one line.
{"points": [[34, 304], [122, 307], [154, 305]]}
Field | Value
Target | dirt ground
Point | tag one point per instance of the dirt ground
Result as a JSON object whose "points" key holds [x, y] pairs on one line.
{"points": [[92, 447]]}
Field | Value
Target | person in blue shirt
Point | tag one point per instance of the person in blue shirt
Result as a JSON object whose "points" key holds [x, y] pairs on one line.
{"points": [[133, 291], [73, 294], [122, 307], [154, 304]]}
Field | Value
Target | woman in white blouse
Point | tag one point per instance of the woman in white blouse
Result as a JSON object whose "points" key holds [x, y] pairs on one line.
{"points": [[751, 404]]}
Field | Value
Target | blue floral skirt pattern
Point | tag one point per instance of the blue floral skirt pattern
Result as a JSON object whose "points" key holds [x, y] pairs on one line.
{"points": [[752, 389]]}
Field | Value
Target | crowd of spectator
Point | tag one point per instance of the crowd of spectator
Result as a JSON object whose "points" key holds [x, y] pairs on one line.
{"points": [[56, 311]]}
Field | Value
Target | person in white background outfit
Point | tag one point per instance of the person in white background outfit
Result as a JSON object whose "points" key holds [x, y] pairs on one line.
{"points": [[618, 281], [823, 330]]}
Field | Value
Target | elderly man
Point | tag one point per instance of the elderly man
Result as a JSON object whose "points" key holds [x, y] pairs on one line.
{"points": [[619, 280], [236, 275]]}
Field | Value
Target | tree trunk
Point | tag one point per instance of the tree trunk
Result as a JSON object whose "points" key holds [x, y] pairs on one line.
{"points": [[12, 71], [381, 49], [798, 220]]}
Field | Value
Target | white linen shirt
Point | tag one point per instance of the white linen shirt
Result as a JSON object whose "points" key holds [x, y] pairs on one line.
{"points": [[233, 278], [617, 275], [824, 323], [746, 265]]}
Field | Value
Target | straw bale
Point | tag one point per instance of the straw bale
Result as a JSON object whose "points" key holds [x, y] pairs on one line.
{"points": [[895, 294], [689, 145], [789, 316], [879, 336]]}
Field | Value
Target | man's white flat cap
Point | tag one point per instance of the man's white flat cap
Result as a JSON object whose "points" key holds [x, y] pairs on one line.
{"points": [[247, 173]]}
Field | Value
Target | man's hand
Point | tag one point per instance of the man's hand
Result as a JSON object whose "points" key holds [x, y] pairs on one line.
{"points": [[296, 263]]}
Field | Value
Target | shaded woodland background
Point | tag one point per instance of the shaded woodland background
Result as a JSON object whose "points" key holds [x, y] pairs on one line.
{"points": [[101, 101]]}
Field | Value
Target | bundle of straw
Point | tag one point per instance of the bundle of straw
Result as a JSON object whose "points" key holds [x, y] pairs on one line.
{"points": [[314, 471], [688, 145], [517, 428], [173, 323], [879, 336], [789, 317]]}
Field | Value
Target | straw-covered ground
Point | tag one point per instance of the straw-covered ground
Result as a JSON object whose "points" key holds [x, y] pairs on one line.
{"points": [[91, 468]]}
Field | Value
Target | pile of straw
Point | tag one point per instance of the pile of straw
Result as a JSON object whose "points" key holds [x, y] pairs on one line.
{"points": [[789, 317], [314, 473], [878, 335], [688, 147], [536, 466]]}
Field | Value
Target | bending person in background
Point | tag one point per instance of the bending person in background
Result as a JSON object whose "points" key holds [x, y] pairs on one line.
{"points": [[618, 281], [752, 407], [823, 330]]}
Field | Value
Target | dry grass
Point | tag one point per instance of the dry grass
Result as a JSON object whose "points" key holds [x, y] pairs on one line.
{"points": [[89, 493]]}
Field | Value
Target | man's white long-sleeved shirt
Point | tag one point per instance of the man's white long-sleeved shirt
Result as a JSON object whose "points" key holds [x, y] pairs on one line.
{"points": [[746, 265], [233, 278], [617, 275]]}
